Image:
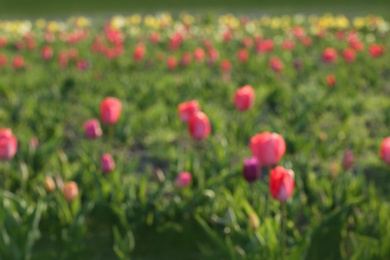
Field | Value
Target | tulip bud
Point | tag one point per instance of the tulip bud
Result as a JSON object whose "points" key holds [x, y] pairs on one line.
{"points": [[71, 191], [107, 163], [254, 221], [251, 171], [281, 183], [348, 159], [244, 98], [385, 150], [183, 179], [49, 184], [34, 143], [187, 109], [92, 129], [199, 126], [110, 110], [8, 144], [268, 148]]}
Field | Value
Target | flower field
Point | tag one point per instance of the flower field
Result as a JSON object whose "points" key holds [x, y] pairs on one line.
{"points": [[195, 137]]}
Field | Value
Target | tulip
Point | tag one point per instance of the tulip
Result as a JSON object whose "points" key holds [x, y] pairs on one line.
{"points": [[226, 65], [213, 56], [265, 46], [71, 191], [187, 109], [251, 171], [49, 184], [269, 148], [199, 54], [92, 129], [376, 50], [329, 55], [331, 80], [199, 126], [171, 63], [385, 150], [186, 59], [349, 55], [34, 143], [281, 183], [276, 64], [82, 65], [242, 55], [297, 64], [183, 179], [107, 163], [110, 110], [348, 159], [47, 52], [139, 52], [18, 62], [244, 98], [288, 45], [8, 144]]}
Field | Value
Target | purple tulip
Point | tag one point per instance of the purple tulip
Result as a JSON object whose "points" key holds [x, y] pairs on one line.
{"points": [[251, 170]]}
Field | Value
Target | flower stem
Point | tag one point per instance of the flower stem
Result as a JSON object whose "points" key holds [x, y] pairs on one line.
{"points": [[283, 228]]}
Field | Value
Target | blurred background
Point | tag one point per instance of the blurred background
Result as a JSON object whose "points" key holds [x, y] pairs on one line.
{"points": [[50, 8]]}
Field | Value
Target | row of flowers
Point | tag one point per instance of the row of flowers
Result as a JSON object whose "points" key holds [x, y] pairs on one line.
{"points": [[267, 148]]}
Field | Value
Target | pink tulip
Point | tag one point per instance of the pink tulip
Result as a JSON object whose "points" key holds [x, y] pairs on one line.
{"points": [[187, 109], [107, 163], [199, 126], [8, 144], [385, 150], [183, 179], [92, 129], [268, 148], [110, 110], [244, 98], [348, 159]]}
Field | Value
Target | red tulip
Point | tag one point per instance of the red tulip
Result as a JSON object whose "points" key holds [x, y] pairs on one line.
{"points": [[226, 65], [110, 110], [355, 44], [18, 62], [276, 64], [92, 129], [376, 50], [348, 159], [186, 59], [329, 55], [306, 41], [349, 55], [82, 65], [187, 109], [47, 52], [107, 163], [268, 148], [199, 126], [242, 55], [298, 32], [171, 63], [247, 42], [288, 45], [199, 54], [213, 56], [8, 144], [154, 37], [70, 191], [385, 150], [330, 80], [265, 46], [3, 41], [139, 52], [281, 183], [34, 143], [244, 98], [183, 179]]}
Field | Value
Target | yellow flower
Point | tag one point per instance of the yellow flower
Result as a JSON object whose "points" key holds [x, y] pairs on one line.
{"points": [[40, 23], [358, 22], [52, 26], [82, 22]]}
